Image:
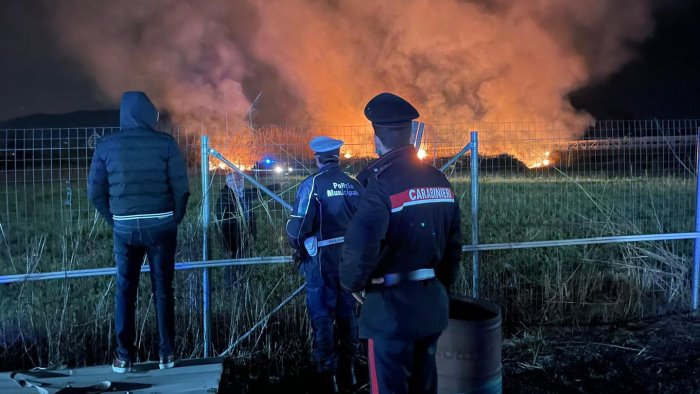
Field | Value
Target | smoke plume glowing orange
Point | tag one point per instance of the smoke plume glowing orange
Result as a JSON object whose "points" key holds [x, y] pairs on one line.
{"points": [[318, 62]]}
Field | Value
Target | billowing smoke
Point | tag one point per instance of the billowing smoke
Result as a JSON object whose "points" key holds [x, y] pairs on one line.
{"points": [[319, 61]]}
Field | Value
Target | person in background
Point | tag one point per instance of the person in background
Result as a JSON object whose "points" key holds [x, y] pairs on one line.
{"points": [[402, 249], [138, 183], [235, 208], [325, 203]]}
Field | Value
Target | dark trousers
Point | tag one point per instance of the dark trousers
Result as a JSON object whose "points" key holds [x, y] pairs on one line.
{"points": [[134, 239], [400, 367], [332, 314], [238, 242]]}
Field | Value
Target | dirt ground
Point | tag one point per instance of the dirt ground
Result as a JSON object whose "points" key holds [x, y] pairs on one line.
{"points": [[657, 355]]}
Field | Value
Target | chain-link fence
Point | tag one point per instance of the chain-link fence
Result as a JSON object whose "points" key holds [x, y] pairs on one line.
{"points": [[537, 182], [615, 179]]}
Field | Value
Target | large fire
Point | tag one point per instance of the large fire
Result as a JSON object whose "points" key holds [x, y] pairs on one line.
{"points": [[270, 147], [318, 62]]}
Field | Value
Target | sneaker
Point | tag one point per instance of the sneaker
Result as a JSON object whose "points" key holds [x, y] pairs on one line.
{"points": [[167, 361], [121, 366]]}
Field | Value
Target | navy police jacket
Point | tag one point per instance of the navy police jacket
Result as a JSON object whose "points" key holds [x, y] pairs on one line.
{"points": [[408, 219], [324, 205]]}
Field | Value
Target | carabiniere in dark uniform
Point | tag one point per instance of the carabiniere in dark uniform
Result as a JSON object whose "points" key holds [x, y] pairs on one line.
{"points": [[402, 249]]}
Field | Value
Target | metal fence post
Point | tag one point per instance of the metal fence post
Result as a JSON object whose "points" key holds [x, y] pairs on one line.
{"points": [[475, 211], [696, 252], [205, 242], [419, 134]]}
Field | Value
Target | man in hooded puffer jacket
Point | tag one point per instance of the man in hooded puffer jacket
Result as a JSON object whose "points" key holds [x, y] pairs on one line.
{"points": [[138, 183]]}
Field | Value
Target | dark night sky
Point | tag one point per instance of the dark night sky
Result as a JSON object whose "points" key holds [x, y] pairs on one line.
{"points": [[35, 77], [663, 82]]}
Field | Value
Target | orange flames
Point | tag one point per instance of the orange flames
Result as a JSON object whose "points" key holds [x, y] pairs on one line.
{"points": [[545, 162], [319, 62], [288, 146]]}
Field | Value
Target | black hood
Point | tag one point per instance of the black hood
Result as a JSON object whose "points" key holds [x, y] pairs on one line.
{"points": [[137, 111]]}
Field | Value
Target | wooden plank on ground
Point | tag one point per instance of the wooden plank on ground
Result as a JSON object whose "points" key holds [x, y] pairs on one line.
{"points": [[189, 376]]}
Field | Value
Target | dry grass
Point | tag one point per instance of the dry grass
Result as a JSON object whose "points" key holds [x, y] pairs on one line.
{"points": [[70, 321]]}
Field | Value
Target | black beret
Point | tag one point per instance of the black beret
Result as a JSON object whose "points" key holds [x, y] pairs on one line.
{"points": [[388, 109]]}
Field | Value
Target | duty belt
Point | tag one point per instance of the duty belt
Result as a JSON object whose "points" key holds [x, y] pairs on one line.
{"points": [[331, 241], [400, 277]]}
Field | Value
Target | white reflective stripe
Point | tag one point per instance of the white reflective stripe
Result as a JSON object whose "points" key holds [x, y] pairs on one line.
{"points": [[311, 193], [143, 216], [331, 241], [286, 228], [306, 211], [417, 202]]}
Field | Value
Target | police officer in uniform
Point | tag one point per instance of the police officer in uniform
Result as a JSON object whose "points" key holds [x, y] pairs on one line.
{"points": [[401, 253], [324, 205]]}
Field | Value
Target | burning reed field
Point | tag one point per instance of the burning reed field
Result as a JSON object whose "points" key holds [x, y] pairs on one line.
{"points": [[585, 318], [522, 87]]}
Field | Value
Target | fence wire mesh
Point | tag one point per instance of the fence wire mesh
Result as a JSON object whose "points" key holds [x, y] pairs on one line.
{"points": [[537, 181]]}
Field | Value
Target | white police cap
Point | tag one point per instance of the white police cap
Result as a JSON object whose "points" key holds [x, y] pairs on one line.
{"points": [[325, 144]]}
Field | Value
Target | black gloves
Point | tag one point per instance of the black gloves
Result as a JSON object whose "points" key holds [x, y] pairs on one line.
{"points": [[299, 256]]}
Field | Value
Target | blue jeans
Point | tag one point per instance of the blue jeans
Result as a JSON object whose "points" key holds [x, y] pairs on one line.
{"points": [[134, 239], [331, 311]]}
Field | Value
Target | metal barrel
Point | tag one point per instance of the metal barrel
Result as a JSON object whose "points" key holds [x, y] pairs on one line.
{"points": [[469, 351]]}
